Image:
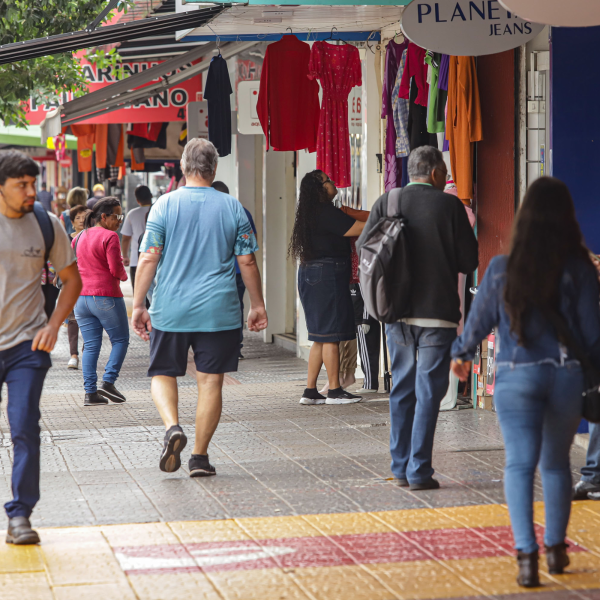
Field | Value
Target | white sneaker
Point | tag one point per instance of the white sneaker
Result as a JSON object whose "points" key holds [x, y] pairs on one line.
{"points": [[73, 363], [342, 398]]}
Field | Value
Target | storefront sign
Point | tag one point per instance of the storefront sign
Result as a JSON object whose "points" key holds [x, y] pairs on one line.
{"points": [[465, 27], [248, 121], [560, 13], [169, 105]]}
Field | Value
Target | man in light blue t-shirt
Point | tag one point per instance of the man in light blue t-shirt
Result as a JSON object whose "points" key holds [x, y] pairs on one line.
{"points": [[192, 238]]}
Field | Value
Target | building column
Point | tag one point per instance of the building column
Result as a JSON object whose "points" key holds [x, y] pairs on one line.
{"points": [[278, 210]]}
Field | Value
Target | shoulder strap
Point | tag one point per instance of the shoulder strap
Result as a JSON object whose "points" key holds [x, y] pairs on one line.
{"points": [[394, 203], [77, 242], [45, 223]]}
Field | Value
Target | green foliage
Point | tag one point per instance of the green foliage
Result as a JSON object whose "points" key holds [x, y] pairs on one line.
{"points": [[46, 78]]}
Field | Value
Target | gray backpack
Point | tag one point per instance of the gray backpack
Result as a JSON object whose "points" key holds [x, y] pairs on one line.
{"points": [[384, 268]]}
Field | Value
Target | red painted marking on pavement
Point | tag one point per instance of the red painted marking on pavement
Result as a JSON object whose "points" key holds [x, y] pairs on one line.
{"points": [[337, 550]]}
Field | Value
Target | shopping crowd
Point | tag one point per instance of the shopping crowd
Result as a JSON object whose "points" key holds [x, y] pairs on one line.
{"points": [[539, 297]]}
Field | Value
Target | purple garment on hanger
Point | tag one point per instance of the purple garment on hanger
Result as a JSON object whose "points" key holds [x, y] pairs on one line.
{"points": [[443, 76], [393, 165]]}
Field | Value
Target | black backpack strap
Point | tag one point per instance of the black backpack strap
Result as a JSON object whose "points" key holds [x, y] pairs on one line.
{"points": [[45, 223], [393, 202]]}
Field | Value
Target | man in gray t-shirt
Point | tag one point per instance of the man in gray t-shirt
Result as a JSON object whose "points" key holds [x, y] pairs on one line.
{"points": [[27, 336]]}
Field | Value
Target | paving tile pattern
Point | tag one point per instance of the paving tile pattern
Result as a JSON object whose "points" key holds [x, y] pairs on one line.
{"points": [[273, 456]]}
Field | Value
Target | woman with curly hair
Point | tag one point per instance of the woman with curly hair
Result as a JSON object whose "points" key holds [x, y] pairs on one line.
{"points": [[321, 243], [543, 300]]}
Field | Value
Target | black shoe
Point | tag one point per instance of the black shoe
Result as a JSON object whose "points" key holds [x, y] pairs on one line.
{"points": [[108, 390], [312, 396], [175, 441], [557, 558], [583, 488], [240, 356], [430, 484], [341, 396], [528, 569], [400, 481], [20, 532], [94, 399], [200, 467]]}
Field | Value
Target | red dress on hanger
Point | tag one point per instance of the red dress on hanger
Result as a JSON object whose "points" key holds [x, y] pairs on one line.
{"points": [[288, 103], [338, 69]]}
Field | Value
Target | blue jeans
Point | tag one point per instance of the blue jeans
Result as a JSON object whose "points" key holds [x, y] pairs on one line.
{"points": [[419, 386], [539, 408], [241, 288], [24, 372], [591, 471], [95, 314]]}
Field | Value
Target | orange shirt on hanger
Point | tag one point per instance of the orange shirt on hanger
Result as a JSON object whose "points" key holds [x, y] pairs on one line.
{"points": [[463, 123]]}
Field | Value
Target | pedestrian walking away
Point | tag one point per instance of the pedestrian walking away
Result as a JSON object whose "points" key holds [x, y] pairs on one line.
{"points": [[133, 228], [46, 199], [239, 280], [27, 336], [77, 215], [101, 306], [320, 242], [538, 297], [441, 244], [192, 238]]}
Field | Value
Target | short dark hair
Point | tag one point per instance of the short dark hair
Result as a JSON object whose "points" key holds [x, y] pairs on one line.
{"points": [[105, 206], [220, 187], [15, 164], [143, 194], [76, 210], [43, 185]]}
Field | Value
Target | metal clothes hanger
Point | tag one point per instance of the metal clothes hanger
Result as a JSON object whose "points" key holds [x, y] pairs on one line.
{"points": [[337, 39]]}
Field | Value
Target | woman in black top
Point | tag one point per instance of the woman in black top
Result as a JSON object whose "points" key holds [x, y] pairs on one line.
{"points": [[321, 242]]}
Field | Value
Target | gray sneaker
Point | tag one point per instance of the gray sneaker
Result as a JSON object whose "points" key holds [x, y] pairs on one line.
{"points": [[582, 490]]}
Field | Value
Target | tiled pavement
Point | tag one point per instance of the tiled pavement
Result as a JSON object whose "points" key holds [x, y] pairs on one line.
{"points": [[301, 508]]}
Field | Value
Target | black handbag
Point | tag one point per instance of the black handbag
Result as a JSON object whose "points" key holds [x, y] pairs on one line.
{"points": [[591, 375]]}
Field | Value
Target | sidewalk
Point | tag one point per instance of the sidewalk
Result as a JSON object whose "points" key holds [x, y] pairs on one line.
{"points": [[301, 508]]}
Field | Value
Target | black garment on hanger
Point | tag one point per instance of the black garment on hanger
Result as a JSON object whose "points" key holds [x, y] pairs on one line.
{"points": [[136, 141], [417, 122], [217, 92]]}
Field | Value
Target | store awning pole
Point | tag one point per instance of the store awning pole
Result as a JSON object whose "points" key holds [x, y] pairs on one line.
{"points": [[115, 103], [108, 34], [94, 99]]}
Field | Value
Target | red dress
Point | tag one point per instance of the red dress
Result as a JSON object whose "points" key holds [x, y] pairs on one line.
{"points": [[288, 102], [338, 70]]}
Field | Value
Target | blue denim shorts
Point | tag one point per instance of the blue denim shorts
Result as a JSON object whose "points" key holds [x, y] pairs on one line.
{"points": [[324, 287]]}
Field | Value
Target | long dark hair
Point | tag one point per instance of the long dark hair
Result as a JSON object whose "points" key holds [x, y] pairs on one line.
{"points": [[545, 236], [105, 206], [312, 195]]}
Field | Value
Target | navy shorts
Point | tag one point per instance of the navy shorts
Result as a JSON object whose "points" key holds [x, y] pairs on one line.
{"points": [[215, 352]]}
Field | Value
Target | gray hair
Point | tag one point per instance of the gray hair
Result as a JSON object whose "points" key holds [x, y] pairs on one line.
{"points": [[199, 158], [423, 160]]}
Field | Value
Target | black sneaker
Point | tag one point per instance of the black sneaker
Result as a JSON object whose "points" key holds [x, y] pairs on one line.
{"points": [[240, 356], [583, 488], [94, 399], [108, 390], [429, 484], [200, 467], [175, 441], [311, 396], [341, 396]]}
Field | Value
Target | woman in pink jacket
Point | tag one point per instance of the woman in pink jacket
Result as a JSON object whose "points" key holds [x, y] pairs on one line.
{"points": [[101, 306]]}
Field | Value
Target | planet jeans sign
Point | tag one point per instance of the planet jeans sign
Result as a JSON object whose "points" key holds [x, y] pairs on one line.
{"points": [[559, 13], [465, 28]]}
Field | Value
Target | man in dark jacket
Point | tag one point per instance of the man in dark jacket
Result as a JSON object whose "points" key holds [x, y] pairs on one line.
{"points": [[441, 245]]}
